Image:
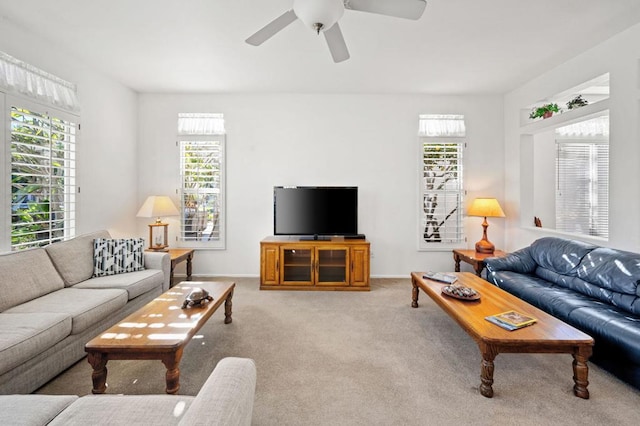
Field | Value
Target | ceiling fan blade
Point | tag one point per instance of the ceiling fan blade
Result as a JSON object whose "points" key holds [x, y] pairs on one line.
{"points": [[272, 28], [335, 41], [408, 9]]}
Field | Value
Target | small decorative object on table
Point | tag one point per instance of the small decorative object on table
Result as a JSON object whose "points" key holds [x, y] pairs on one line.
{"points": [[439, 276], [511, 320], [197, 297], [462, 293]]}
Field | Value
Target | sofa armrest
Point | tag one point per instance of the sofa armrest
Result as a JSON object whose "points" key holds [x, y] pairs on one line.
{"points": [[226, 398], [159, 260], [519, 261]]}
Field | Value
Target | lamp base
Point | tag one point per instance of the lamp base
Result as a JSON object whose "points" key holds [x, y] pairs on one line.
{"points": [[485, 246]]}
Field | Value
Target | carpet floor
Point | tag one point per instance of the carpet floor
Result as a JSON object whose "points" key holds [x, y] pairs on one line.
{"points": [[368, 358]]}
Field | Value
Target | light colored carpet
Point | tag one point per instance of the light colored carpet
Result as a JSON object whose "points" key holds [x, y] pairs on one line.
{"points": [[354, 358]]}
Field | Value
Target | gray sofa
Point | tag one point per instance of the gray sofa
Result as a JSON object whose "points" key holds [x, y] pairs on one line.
{"points": [[226, 398], [51, 306]]}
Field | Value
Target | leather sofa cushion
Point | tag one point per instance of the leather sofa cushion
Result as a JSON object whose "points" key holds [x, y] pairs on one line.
{"points": [[85, 306], [74, 258], [27, 335], [518, 261], [598, 319], [559, 255], [25, 275], [614, 270], [620, 330]]}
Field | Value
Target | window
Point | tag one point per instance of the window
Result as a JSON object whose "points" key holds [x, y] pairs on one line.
{"points": [[582, 169], [43, 181], [441, 180], [38, 155], [202, 197]]}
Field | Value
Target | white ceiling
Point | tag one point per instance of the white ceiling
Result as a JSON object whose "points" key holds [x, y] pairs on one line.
{"points": [[457, 47]]}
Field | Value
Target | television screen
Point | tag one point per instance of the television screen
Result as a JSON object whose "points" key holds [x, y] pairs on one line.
{"points": [[315, 210]]}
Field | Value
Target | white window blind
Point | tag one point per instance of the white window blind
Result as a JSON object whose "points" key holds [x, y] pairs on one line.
{"points": [[582, 167], [202, 180], [43, 178], [441, 180]]}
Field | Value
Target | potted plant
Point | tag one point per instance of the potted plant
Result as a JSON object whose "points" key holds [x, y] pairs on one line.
{"points": [[544, 111], [577, 102]]}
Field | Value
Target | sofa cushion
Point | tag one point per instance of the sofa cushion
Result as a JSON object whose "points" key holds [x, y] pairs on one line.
{"points": [[126, 410], [603, 322], [23, 336], [559, 255], [26, 275], [614, 270], [29, 410], [85, 306], [74, 258], [518, 261], [136, 283], [118, 256]]}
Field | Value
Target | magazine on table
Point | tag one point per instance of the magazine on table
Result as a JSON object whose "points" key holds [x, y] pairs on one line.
{"points": [[511, 320], [439, 276]]}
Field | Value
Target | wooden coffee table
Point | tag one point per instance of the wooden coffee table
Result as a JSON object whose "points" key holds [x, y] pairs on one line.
{"points": [[159, 330], [547, 335]]}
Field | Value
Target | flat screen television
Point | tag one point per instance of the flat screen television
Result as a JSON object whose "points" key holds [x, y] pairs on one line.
{"points": [[315, 210]]}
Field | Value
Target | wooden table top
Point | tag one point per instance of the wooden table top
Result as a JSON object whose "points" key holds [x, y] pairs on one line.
{"points": [[162, 324], [548, 330], [474, 255]]}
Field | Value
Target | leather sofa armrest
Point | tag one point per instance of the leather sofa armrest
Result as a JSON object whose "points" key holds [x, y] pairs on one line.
{"points": [[159, 260], [226, 398], [519, 261]]}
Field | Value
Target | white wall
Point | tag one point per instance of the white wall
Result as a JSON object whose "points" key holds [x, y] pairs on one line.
{"points": [[106, 157], [315, 139], [619, 56]]}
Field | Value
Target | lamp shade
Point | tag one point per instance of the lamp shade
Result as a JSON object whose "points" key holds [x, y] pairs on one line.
{"points": [[157, 206], [313, 12], [485, 207]]}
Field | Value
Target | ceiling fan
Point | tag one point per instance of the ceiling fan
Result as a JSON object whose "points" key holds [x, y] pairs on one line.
{"points": [[323, 15]]}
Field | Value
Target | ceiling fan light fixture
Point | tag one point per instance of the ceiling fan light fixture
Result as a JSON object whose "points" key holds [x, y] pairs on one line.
{"points": [[319, 15]]}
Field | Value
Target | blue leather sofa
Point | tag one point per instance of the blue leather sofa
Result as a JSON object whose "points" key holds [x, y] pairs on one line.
{"points": [[594, 289]]}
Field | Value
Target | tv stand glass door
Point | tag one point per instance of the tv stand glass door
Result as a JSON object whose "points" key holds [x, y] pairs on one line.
{"points": [[332, 266], [297, 265]]}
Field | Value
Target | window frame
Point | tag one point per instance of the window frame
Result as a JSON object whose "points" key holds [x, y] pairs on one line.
{"points": [[459, 192], [9, 101], [595, 164], [220, 243]]}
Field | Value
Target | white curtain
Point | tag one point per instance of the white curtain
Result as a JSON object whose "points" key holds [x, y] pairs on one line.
{"points": [[21, 78], [441, 125], [200, 124], [596, 127]]}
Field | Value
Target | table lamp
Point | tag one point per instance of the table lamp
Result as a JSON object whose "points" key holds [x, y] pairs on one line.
{"points": [[157, 206], [485, 207]]}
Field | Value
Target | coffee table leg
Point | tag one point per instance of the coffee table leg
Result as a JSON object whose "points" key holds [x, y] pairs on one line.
{"points": [[581, 371], [99, 376], [172, 361], [486, 373], [414, 294], [227, 308]]}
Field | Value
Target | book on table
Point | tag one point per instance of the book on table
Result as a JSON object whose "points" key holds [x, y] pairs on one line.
{"points": [[511, 320], [439, 276]]}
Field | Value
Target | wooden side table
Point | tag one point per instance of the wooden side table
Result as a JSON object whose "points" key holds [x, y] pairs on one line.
{"points": [[180, 255], [473, 258]]}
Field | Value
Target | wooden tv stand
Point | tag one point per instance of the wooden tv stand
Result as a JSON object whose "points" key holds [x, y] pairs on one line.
{"points": [[289, 263]]}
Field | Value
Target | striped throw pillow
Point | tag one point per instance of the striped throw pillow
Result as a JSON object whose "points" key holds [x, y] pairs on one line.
{"points": [[116, 256]]}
